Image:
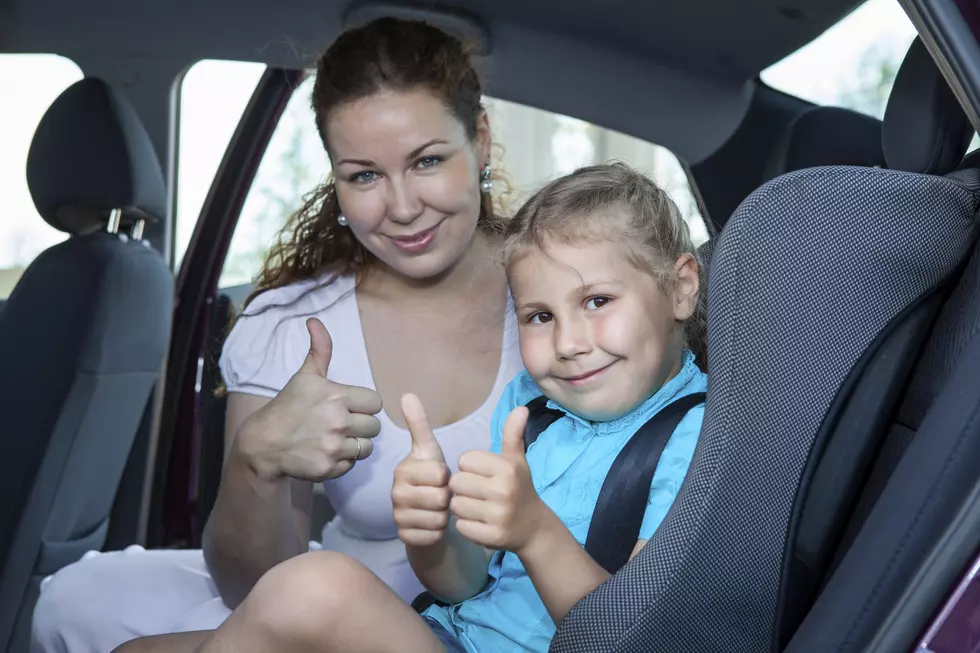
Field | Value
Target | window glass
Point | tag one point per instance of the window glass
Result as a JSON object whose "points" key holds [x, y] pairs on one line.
{"points": [[851, 65], [213, 97], [36, 80], [537, 146]]}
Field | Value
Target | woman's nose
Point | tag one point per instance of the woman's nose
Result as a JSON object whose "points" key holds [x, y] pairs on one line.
{"points": [[404, 204]]}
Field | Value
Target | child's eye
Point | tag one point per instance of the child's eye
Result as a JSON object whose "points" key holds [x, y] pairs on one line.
{"points": [[596, 302], [541, 317], [429, 161], [364, 177]]}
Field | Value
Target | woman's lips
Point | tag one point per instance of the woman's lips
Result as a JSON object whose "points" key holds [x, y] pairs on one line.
{"points": [[417, 242]]}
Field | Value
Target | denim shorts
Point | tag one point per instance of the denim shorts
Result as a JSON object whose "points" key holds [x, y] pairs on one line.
{"points": [[444, 636]]}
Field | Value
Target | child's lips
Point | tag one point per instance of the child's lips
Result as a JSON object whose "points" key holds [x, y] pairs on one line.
{"points": [[587, 377]]}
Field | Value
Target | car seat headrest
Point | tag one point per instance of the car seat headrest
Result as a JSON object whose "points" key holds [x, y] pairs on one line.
{"points": [[925, 129], [92, 161], [827, 136]]}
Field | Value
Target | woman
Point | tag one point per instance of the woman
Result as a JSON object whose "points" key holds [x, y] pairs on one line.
{"points": [[393, 259]]}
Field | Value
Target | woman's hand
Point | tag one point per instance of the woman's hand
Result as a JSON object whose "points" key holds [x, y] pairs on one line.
{"points": [[314, 429], [420, 493]]}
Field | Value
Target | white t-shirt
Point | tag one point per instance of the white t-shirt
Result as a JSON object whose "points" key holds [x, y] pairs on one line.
{"points": [[267, 346]]}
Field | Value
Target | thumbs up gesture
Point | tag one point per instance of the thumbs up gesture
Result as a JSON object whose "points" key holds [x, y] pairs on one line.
{"points": [[314, 429], [420, 493], [495, 503]]}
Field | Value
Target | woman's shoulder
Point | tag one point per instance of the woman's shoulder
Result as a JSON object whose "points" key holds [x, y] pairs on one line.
{"points": [[269, 339], [307, 296]]}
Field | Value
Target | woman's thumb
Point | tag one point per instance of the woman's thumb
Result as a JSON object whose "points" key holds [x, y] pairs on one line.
{"points": [[321, 349]]}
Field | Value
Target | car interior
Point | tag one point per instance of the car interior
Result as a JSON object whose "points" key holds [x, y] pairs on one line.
{"points": [[833, 503]]}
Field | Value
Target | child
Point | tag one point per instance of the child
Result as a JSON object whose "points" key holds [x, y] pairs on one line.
{"points": [[605, 283]]}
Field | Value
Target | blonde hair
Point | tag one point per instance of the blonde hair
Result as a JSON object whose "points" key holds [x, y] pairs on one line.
{"points": [[613, 203]]}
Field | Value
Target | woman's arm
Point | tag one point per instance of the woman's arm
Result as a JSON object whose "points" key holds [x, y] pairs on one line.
{"points": [[256, 523], [311, 431]]}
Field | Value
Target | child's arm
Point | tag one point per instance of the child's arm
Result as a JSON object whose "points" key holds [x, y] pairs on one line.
{"points": [[448, 565], [561, 570], [497, 506], [454, 568]]}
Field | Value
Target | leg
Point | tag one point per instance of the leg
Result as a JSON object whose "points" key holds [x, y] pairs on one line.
{"points": [[104, 600], [321, 602], [172, 643]]}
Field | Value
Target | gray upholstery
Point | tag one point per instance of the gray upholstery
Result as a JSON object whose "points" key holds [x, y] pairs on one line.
{"points": [[827, 136], [868, 249], [90, 154], [924, 130], [921, 484], [82, 339]]}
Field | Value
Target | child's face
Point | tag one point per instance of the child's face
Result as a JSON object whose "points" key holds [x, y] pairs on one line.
{"points": [[597, 335]]}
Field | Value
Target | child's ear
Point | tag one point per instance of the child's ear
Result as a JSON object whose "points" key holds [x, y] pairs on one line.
{"points": [[687, 286]]}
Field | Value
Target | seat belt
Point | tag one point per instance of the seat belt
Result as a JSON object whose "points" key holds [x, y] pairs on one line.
{"points": [[539, 417], [622, 501]]}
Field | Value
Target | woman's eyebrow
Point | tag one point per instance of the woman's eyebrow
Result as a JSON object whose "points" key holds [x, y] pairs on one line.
{"points": [[367, 163], [417, 151]]}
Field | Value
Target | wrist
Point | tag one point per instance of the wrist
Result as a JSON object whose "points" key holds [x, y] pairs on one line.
{"points": [[248, 453], [546, 531]]}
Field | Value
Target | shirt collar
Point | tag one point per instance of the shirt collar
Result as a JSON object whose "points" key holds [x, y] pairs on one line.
{"points": [[667, 393]]}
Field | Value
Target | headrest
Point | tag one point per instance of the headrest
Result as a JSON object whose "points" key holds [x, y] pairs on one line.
{"points": [[90, 155], [925, 129], [827, 136]]}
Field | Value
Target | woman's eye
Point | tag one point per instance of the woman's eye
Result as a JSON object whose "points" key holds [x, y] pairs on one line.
{"points": [[429, 161], [365, 177], [596, 302], [540, 318]]}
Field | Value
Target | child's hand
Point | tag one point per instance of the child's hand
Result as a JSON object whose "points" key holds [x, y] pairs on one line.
{"points": [[496, 504], [420, 493]]}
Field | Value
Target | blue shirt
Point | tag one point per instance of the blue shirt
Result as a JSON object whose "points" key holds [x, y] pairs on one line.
{"points": [[569, 462]]}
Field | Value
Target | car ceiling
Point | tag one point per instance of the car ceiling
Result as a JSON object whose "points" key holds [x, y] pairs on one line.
{"points": [[676, 72]]}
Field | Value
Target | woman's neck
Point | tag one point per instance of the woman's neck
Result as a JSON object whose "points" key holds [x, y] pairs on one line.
{"points": [[473, 275]]}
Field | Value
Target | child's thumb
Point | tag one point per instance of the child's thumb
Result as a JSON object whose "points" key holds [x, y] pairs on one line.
{"points": [[513, 435], [424, 444]]}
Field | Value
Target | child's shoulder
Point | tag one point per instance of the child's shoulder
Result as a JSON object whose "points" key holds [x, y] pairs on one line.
{"points": [[518, 392]]}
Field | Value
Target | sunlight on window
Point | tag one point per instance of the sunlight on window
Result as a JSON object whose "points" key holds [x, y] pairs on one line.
{"points": [[851, 65], [293, 165], [213, 97], [36, 80], [533, 146]]}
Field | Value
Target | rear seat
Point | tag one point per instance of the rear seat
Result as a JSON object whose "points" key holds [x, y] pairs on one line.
{"points": [[827, 136], [824, 286], [821, 136]]}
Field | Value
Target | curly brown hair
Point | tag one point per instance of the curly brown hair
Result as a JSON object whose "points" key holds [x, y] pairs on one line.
{"points": [[387, 54]]}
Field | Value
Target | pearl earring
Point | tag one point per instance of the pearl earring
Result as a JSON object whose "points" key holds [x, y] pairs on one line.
{"points": [[342, 220], [486, 183]]}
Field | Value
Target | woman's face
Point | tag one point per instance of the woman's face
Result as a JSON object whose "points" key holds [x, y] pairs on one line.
{"points": [[408, 179]]}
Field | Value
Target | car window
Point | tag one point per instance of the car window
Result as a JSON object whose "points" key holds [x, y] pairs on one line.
{"points": [[851, 65], [36, 80], [536, 145], [213, 97]]}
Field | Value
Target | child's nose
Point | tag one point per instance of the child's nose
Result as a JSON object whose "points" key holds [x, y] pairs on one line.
{"points": [[572, 338]]}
